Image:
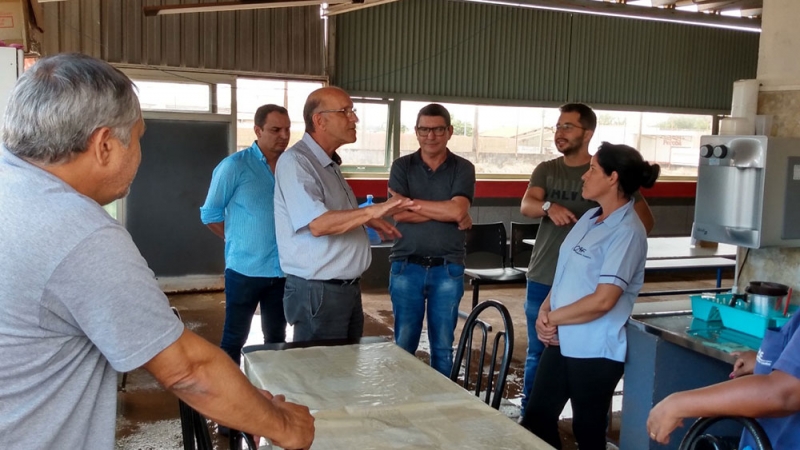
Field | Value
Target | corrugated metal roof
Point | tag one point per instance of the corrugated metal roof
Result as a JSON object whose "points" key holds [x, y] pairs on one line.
{"points": [[272, 41], [617, 61], [453, 49], [462, 50]]}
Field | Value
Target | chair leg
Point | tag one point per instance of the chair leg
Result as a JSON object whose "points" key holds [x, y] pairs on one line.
{"points": [[121, 387], [475, 291]]}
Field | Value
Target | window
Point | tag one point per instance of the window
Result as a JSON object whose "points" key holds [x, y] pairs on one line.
{"points": [[252, 93], [168, 96], [499, 140], [512, 141], [369, 153]]}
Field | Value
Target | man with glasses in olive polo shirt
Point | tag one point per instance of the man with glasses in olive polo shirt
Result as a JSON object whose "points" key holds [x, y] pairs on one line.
{"points": [[322, 243], [428, 261]]}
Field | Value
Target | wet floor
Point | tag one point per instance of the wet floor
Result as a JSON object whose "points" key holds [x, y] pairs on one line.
{"points": [[148, 415]]}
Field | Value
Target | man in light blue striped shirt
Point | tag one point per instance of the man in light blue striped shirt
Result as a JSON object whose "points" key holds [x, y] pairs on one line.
{"points": [[239, 208]]}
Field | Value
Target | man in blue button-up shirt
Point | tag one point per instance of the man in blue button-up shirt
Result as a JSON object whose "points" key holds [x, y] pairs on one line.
{"points": [[239, 209]]}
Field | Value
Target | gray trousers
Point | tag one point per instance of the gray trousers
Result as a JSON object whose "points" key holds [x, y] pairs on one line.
{"points": [[321, 310]]}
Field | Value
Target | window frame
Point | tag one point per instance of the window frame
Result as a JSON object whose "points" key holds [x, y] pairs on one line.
{"points": [[393, 127]]}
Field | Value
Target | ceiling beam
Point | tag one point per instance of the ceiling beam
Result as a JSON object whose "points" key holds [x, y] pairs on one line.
{"points": [[634, 12], [343, 8], [235, 5]]}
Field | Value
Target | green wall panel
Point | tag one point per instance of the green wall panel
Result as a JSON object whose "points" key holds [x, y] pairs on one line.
{"points": [[505, 54], [617, 61], [442, 48]]}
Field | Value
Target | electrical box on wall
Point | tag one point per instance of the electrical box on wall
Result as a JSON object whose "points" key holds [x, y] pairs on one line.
{"points": [[11, 66], [19, 24]]}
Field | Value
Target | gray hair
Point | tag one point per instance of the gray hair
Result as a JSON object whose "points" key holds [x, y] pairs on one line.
{"points": [[58, 103]]}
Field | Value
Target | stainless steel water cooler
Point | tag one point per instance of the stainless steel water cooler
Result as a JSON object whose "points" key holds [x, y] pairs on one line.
{"points": [[748, 191]]}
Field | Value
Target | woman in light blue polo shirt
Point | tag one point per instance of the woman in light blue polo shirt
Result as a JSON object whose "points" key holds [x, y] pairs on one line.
{"points": [[599, 274]]}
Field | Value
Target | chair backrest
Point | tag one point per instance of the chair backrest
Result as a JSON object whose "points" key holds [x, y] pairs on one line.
{"points": [[520, 251], [194, 427], [693, 434], [501, 352], [486, 245], [195, 434]]}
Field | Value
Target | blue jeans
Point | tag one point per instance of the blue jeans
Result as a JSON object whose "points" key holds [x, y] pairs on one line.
{"points": [[536, 293], [443, 286], [242, 295]]}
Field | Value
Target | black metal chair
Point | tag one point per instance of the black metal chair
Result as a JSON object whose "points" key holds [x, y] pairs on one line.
{"points": [[495, 382], [194, 427], [520, 251], [487, 251], [195, 434], [695, 440]]}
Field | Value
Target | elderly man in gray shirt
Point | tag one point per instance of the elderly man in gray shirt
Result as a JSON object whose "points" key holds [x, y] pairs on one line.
{"points": [[322, 239], [79, 302]]}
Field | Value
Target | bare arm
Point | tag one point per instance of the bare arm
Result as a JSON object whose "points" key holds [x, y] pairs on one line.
{"points": [[340, 222], [453, 210], [589, 307], [645, 214], [532, 203], [773, 395], [207, 379], [410, 217], [217, 228]]}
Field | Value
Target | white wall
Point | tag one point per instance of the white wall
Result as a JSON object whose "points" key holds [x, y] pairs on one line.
{"points": [[778, 61]]}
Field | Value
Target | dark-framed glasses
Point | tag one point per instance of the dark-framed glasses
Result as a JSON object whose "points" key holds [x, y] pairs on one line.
{"points": [[567, 127], [348, 112], [424, 131]]}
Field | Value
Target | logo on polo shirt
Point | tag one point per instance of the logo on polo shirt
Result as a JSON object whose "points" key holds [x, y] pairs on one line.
{"points": [[580, 251]]}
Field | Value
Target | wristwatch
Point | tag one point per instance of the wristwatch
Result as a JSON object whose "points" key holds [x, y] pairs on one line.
{"points": [[546, 207]]}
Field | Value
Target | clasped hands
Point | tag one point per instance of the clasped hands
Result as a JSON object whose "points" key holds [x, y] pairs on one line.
{"points": [[390, 207], [545, 331]]}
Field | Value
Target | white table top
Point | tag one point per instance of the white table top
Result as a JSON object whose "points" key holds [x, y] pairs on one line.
{"points": [[378, 396], [678, 247]]}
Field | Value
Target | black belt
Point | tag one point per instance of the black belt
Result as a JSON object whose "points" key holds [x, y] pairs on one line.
{"points": [[341, 282], [426, 261]]}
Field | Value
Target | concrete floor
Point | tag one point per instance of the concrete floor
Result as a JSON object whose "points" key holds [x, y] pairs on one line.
{"points": [[148, 415]]}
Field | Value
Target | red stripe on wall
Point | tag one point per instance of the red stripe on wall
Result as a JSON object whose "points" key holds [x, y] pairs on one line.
{"points": [[516, 188]]}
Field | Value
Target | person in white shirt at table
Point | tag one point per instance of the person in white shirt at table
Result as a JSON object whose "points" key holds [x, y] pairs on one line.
{"points": [[599, 273]]}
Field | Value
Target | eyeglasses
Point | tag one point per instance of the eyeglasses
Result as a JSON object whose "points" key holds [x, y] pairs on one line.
{"points": [[567, 127], [425, 131], [346, 111]]}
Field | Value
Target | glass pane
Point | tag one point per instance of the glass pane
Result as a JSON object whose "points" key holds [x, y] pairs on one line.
{"points": [[497, 139], [512, 140], [252, 93], [164, 96], [671, 140], [369, 150], [111, 209], [224, 98]]}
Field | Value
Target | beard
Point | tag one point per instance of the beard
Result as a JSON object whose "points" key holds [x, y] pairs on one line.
{"points": [[572, 148]]}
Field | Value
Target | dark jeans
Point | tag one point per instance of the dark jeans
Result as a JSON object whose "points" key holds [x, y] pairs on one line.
{"points": [[588, 383], [443, 286], [242, 295], [536, 294], [321, 310]]}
